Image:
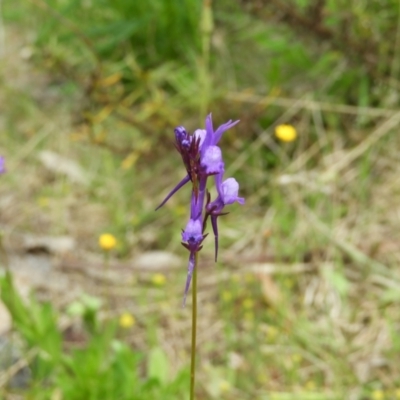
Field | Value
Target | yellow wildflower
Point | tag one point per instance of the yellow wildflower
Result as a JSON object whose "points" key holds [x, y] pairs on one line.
{"points": [[235, 277], [43, 202], [107, 241], [126, 320], [129, 161], [310, 385], [397, 393], [272, 333], [296, 358], [224, 386], [378, 394], [226, 296], [286, 133], [158, 279], [248, 303], [249, 316]]}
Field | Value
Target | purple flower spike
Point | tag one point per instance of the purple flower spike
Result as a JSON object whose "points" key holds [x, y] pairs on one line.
{"points": [[2, 165], [202, 157]]}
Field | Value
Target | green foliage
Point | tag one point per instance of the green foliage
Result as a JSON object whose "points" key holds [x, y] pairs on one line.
{"points": [[105, 368], [37, 325], [154, 32]]}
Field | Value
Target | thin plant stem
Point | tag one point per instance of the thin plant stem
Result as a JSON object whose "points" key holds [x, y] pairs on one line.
{"points": [[206, 29], [3, 254], [107, 273], [194, 326]]}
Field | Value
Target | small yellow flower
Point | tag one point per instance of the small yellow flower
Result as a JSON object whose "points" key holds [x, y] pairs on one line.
{"points": [[249, 316], [248, 303], [378, 394], [286, 133], [224, 386], [126, 320], [226, 296], [107, 241], [310, 385], [296, 358], [262, 378], [272, 333], [235, 277], [158, 279], [129, 161], [43, 202], [397, 393], [288, 283]]}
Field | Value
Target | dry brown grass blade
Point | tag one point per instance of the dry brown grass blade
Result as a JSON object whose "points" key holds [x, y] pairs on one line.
{"points": [[355, 254], [309, 105], [15, 368], [264, 137], [359, 150]]}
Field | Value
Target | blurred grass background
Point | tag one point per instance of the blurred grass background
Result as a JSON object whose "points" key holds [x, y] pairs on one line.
{"points": [[304, 303]]}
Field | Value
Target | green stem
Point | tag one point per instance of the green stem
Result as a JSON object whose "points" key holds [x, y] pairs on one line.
{"points": [[107, 273], [194, 325], [206, 29], [3, 254]]}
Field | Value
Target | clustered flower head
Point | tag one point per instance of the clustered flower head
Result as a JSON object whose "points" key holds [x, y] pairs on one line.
{"points": [[202, 158]]}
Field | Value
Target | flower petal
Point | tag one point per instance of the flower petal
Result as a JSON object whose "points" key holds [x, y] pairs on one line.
{"points": [[183, 182], [230, 191], [209, 133], [200, 133], [215, 230], [193, 234], [212, 160], [221, 129], [180, 134]]}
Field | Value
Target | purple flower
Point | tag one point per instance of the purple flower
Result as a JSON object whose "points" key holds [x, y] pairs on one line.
{"points": [[198, 159], [227, 194], [193, 236], [212, 138], [202, 157], [2, 165]]}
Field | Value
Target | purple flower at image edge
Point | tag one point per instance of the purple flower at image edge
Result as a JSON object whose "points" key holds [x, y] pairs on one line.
{"points": [[2, 165]]}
